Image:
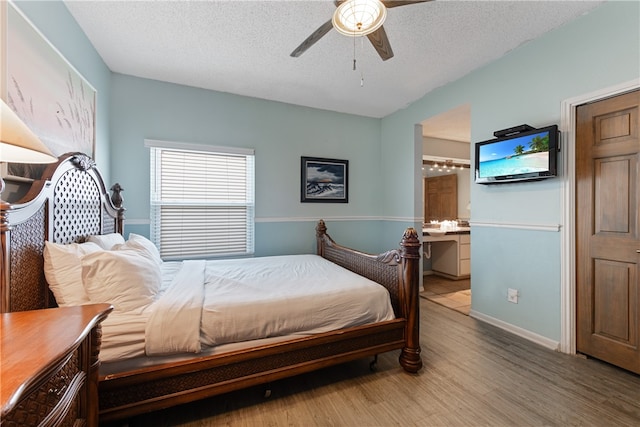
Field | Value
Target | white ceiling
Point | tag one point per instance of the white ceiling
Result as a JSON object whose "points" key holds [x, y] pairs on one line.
{"points": [[452, 125], [242, 47]]}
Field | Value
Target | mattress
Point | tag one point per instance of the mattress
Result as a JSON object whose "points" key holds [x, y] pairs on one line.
{"points": [[260, 298]]}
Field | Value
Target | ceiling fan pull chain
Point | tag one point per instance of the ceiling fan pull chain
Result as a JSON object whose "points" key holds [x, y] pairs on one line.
{"points": [[354, 53]]}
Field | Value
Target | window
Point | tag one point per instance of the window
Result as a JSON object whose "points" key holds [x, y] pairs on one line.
{"points": [[202, 200]]}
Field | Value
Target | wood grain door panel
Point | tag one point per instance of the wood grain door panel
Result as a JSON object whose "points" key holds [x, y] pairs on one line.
{"points": [[614, 189], [441, 198], [607, 235], [614, 287]]}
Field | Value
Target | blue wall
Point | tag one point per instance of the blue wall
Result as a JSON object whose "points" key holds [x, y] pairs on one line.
{"points": [[280, 133], [598, 50]]}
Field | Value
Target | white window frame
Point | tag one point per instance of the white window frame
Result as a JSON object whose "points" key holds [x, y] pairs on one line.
{"points": [[197, 225]]}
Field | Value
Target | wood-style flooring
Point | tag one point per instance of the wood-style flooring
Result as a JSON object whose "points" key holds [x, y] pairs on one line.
{"points": [[474, 375]]}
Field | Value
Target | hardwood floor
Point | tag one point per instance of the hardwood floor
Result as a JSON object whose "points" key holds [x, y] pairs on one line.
{"points": [[474, 375]]}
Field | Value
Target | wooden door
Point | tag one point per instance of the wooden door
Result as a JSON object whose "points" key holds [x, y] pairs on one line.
{"points": [[607, 235], [441, 198]]}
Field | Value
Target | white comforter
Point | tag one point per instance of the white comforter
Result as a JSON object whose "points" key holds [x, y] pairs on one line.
{"points": [[244, 299], [174, 322]]}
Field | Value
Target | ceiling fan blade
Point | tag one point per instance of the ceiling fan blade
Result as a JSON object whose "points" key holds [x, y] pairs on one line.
{"points": [[380, 42], [314, 37], [395, 3]]}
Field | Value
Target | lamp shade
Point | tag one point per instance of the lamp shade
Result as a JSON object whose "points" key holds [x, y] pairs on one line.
{"points": [[18, 144], [359, 17]]}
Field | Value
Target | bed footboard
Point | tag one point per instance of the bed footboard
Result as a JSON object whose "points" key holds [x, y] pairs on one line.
{"points": [[397, 270], [133, 392]]}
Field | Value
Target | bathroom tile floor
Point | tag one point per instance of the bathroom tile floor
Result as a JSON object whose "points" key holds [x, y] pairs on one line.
{"points": [[453, 294]]}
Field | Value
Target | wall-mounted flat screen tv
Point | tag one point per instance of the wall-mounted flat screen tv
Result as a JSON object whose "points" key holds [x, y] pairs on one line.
{"points": [[524, 156]]}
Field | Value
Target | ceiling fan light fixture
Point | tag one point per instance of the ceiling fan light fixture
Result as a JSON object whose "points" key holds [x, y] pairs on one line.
{"points": [[359, 17]]}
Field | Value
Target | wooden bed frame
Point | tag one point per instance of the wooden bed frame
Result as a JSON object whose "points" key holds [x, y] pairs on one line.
{"points": [[71, 202]]}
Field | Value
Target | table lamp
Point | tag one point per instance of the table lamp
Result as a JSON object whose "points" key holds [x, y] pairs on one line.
{"points": [[18, 144]]}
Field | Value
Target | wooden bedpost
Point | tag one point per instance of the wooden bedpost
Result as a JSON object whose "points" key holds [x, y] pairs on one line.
{"points": [[321, 232], [116, 200], [410, 358], [4, 257], [400, 274]]}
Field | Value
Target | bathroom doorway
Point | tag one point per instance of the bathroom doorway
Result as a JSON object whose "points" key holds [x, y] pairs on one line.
{"points": [[446, 158]]}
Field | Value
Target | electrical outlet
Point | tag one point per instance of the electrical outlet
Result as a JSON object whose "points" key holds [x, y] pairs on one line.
{"points": [[512, 295]]}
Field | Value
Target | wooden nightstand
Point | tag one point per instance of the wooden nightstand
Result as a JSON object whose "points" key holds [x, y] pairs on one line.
{"points": [[49, 366]]}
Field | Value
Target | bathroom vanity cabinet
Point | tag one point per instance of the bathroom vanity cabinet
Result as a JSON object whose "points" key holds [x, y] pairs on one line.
{"points": [[450, 254]]}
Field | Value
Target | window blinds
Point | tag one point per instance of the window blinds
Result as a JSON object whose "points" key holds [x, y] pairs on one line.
{"points": [[202, 200]]}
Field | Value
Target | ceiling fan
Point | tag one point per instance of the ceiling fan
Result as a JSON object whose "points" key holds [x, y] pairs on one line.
{"points": [[358, 18]]}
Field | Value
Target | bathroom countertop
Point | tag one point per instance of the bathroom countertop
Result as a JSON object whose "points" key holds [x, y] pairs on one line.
{"points": [[457, 230], [450, 235]]}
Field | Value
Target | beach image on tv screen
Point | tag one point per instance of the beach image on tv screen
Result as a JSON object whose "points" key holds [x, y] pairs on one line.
{"points": [[526, 154]]}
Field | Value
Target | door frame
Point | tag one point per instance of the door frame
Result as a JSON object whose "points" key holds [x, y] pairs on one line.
{"points": [[568, 208]]}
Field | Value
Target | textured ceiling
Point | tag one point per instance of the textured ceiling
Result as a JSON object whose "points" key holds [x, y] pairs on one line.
{"points": [[242, 47]]}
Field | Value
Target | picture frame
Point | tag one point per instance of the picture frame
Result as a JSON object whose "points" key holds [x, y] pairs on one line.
{"points": [[52, 98], [324, 180]]}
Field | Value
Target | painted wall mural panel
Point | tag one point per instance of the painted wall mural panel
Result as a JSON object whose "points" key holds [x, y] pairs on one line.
{"points": [[47, 92]]}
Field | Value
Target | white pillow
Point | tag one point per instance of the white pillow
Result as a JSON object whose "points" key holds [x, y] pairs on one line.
{"points": [[63, 271], [107, 241], [139, 242], [124, 278]]}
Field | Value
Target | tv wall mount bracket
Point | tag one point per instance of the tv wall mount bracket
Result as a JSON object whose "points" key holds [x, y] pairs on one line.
{"points": [[512, 131]]}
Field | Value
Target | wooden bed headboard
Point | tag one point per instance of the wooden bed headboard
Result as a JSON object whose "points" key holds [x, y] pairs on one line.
{"points": [[68, 203]]}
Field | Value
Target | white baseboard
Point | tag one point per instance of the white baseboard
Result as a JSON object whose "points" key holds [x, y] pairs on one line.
{"points": [[531, 336]]}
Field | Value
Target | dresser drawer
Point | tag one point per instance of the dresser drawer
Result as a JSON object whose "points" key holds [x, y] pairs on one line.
{"points": [[54, 402]]}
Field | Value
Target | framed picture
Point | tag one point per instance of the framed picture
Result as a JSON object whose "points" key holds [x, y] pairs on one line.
{"points": [[45, 91], [324, 180]]}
